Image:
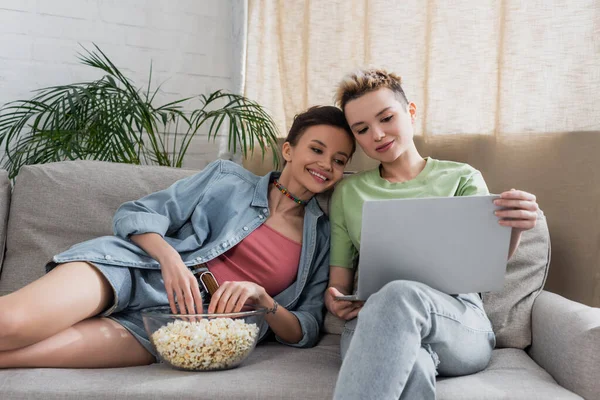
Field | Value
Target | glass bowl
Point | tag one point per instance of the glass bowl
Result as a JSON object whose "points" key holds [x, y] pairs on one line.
{"points": [[203, 342]]}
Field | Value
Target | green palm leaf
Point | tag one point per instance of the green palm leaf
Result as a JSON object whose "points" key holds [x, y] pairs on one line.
{"points": [[109, 119]]}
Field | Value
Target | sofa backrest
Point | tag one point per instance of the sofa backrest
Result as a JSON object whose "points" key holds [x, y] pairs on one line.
{"points": [[57, 205], [5, 189], [562, 171]]}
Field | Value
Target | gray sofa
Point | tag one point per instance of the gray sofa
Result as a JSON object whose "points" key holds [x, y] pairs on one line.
{"points": [[548, 346]]}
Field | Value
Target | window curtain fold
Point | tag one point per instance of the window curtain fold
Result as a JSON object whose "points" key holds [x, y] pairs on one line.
{"points": [[494, 67]]}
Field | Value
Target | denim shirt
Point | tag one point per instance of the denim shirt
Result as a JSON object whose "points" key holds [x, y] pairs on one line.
{"points": [[203, 216]]}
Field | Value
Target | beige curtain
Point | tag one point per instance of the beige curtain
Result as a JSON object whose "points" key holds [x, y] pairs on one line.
{"points": [[472, 66]]}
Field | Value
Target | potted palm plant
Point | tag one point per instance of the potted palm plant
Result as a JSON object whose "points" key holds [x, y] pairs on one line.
{"points": [[109, 119]]}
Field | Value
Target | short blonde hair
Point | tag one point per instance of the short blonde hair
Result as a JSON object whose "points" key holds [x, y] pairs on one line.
{"points": [[358, 83]]}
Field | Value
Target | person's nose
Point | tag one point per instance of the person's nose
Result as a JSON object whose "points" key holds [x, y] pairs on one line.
{"points": [[325, 164], [377, 133]]}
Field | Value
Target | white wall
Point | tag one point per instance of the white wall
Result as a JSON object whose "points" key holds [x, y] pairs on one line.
{"points": [[190, 44]]}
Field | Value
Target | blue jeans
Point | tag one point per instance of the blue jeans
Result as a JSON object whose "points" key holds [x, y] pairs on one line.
{"points": [[405, 335]]}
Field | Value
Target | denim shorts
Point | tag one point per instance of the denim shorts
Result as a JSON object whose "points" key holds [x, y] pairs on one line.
{"points": [[134, 289]]}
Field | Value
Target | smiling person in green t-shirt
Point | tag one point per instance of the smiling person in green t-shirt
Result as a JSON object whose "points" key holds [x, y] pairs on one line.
{"points": [[407, 332]]}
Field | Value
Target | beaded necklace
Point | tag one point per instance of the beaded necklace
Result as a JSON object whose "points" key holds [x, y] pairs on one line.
{"points": [[283, 190]]}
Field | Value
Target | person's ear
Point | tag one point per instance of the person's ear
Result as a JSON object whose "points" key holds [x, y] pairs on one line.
{"points": [[286, 151], [412, 111]]}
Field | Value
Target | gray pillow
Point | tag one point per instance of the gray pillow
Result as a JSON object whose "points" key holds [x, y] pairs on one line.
{"points": [[526, 272]]}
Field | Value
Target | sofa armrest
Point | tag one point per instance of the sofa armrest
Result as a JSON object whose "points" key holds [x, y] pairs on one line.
{"points": [[566, 343]]}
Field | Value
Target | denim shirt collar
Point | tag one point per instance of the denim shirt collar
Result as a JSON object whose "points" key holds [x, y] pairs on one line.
{"points": [[261, 195]]}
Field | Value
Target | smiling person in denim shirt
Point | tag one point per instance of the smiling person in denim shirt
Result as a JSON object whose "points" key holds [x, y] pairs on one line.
{"points": [[264, 238]]}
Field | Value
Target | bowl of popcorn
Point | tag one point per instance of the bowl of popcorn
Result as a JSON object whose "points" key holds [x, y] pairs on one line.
{"points": [[203, 342]]}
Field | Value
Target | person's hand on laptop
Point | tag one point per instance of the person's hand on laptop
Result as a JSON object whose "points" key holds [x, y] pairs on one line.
{"points": [[521, 212], [343, 309], [520, 215]]}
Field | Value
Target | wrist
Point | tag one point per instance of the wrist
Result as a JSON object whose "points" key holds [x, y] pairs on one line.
{"points": [[273, 308], [268, 302], [168, 257], [264, 300]]}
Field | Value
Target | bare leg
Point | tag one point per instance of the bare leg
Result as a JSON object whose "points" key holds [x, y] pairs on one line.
{"points": [[93, 343], [70, 293]]}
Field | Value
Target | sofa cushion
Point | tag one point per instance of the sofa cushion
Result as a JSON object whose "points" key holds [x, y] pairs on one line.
{"points": [[509, 310], [272, 371], [511, 374], [5, 189], [57, 205]]}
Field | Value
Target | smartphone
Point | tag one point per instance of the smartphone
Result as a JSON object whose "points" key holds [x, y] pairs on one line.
{"points": [[347, 298]]}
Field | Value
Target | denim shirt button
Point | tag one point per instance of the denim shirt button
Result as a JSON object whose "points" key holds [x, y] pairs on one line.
{"points": [[199, 259], [224, 245], [266, 211], [107, 257], [245, 228], [261, 216]]}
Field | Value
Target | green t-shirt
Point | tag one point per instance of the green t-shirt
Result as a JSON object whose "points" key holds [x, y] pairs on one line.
{"points": [[438, 179]]}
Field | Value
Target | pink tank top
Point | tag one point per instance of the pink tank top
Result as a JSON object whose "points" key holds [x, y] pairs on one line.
{"points": [[264, 257]]}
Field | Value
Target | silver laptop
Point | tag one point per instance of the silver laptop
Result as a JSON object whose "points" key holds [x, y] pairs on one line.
{"points": [[453, 244]]}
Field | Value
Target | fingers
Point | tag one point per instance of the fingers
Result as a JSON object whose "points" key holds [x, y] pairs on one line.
{"points": [[520, 224], [182, 288], [516, 214], [188, 300], [220, 298], [241, 302], [197, 297], [180, 300], [171, 298], [519, 219], [354, 313], [518, 195], [520, 209], [184, 298], [232, 303], [232, 296], [343, 309], [334, 292], [346, 309], [216, 299], [517, 204]]}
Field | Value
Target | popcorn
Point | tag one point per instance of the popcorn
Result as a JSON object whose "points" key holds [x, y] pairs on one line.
{"points": [[208, 344]]}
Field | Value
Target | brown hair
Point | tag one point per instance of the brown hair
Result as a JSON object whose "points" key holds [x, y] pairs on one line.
{"points": [[319, 115], [358, 83]]}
